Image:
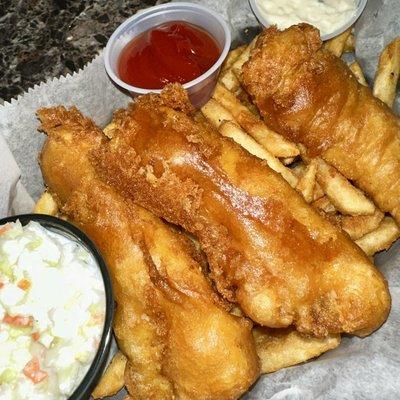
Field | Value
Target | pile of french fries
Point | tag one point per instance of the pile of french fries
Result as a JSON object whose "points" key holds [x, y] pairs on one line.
{"points": [[325, 188]]}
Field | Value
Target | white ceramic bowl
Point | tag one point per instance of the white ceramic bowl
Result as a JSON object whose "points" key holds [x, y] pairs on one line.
{"points": [[199, 89], [359, 9]]}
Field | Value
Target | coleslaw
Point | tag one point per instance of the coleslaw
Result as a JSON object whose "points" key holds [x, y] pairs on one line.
{"points": [[52, 312]]}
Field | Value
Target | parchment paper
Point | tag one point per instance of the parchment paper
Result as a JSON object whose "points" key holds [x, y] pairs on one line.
{"points": [[360, 368]]}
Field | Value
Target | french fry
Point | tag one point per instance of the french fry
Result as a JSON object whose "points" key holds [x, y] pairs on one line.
{"points": [[223, 120], [232, 56], [113, 379], [306, 183], [350, 44], [324, 205], [381, 238], [299, 170], [281, 348], [387, 74], [355, 226], [358, 73], [229, 80], [337, 44], [46, 205], [273, 142], [216, 114], [232, 130], [344, 196], [318, 192], [238, 64], [359, 225]]}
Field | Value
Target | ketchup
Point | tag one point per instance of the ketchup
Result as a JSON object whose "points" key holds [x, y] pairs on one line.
{"points": [[171, 52]]}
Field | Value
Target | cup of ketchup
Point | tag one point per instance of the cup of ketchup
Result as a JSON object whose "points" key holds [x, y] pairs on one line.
{"points": [[175, 42]]}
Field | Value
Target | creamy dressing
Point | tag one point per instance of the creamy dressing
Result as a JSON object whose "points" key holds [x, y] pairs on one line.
{"points": [[52, 312], [326, 15]]}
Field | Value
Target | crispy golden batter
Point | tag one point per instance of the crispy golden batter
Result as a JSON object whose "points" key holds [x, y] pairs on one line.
{"points": [[311, 97], [268, 249], [180, 341]]}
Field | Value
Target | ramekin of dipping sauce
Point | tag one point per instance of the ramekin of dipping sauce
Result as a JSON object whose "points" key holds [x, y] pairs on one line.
{"points": [[174, 42], [331, 17], [56, 310]]}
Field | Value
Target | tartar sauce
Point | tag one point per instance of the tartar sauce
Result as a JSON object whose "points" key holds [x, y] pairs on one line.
{"points": [[52, 312], [326, 15]]}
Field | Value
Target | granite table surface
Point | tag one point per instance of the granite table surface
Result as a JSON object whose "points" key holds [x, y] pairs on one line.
{"points": [[41, 39]]}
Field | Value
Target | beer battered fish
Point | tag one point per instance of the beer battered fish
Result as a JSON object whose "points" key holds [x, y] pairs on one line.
{"points": [[311, 97], [267, 249], [179, 339]]}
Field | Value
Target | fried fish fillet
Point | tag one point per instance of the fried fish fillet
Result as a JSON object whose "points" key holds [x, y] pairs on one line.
{"points": [[267, 249], [180, 341], [311, 97]]}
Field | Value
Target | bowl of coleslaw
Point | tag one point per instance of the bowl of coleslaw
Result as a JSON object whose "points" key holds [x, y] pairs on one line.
{"points": [[56, 310]]}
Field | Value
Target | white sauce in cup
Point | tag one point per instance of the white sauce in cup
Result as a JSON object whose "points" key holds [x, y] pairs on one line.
{"points": [[52, 312], [326, 15]]}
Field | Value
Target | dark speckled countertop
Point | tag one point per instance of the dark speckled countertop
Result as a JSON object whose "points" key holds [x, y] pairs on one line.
{"points": [[40, 39]]}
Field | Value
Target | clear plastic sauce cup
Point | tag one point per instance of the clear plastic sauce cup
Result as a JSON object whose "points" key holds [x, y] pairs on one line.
{"points": [[199, 89]]}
